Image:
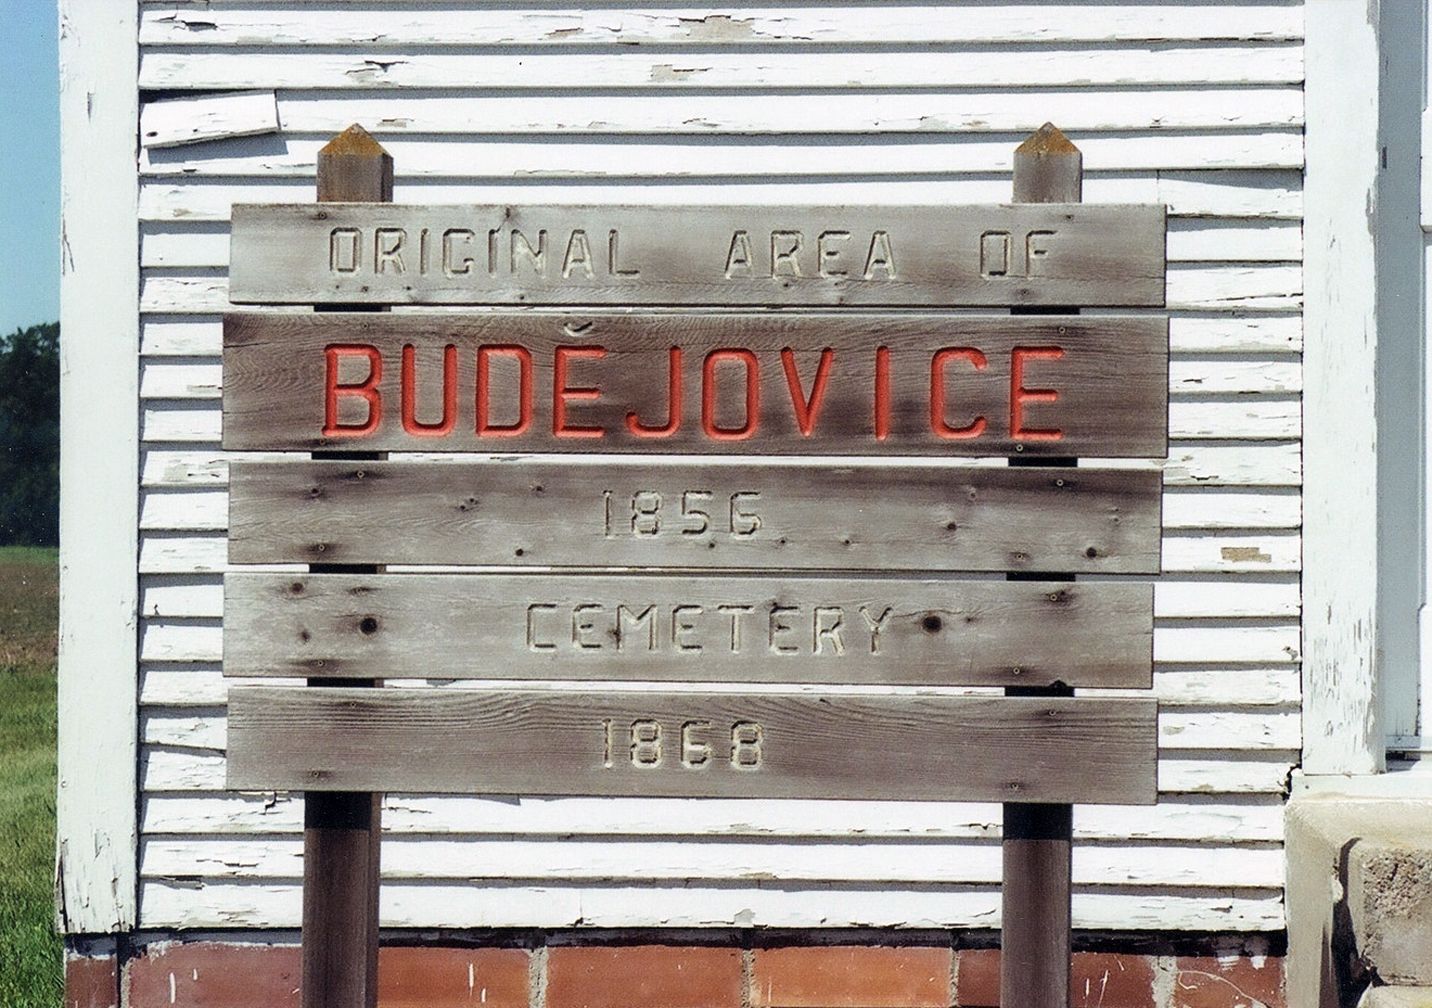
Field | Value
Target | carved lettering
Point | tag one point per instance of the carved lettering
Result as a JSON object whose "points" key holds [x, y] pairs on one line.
{"points": [[785, 253], [826, 628], [366, 390], [344, 250], [457, 263], [828, 247], [627, 616], [881, 257], [522, 251], [614, 257], [683, 625], [535, 640], [876, 625], [578, 257], [642, 740], [738, 257], [388, 250], [735, 612], [583, 628], [780, 630]]}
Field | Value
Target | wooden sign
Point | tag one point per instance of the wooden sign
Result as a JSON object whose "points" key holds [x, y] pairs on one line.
{"points": [[748, 384], [716, 515], [706, 629], [727, 745], [372, 253]]}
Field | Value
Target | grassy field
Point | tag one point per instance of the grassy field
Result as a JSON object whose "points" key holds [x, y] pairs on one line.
{"points": [[31, 971]]}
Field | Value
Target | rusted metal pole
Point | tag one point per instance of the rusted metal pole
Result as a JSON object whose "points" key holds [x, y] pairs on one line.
{"points": [[342, 831], [1038, 839]]}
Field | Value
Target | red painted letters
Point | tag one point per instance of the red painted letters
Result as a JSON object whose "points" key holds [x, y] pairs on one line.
{"points": [[485, 428], [1019, 395], [562, 392], [937, 392], [367, 390]]}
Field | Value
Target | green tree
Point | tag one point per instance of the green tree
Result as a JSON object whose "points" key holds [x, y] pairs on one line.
{"points": [[30, 436]]}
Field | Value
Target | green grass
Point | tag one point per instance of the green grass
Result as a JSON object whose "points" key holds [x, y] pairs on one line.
{"points": [[31, 959]]}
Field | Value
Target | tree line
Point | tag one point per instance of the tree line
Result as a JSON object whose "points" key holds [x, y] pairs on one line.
{"points": [[30, 436]]}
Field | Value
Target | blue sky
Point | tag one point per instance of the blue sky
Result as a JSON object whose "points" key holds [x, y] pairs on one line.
{"points": [[29, 165]]}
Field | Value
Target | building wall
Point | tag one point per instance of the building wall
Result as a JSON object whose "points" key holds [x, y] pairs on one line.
{"points": [[1195, 105]]}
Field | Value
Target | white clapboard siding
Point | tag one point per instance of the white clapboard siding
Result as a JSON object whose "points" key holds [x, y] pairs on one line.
{"points": [[185, 903], [1194, 105], [1191, 286], [1227, 819], [857, 861], [169, 678], [200, 335], [1232, 772], [1269, 464], [977, 111], [1227, 193], [1190, 239], [1195, 552], [1262, 729], [190, 378], [224, 22], [178, 416], [645, 69], [624, 156], [200, 596], [207, 511]]}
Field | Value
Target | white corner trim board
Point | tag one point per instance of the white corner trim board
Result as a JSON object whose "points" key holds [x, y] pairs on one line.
{"points": [[99, 467], [1341, 700]]}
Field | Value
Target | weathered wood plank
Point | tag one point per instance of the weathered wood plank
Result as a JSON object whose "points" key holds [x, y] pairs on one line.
{"points": [[461, 905], [1234, 191], [824, 384], [1176, 819], [942, 112], [696, 515], [800, 25], [631, 68], [1056, 254], [760, 745], [984, 633], [174, 122]]}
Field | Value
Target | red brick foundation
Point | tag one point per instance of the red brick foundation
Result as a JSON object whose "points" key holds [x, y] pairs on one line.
{"points": [[812, 970]]}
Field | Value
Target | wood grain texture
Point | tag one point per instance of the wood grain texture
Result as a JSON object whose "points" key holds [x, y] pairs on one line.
{"points": [[828, 384], [1054, 254], [532, 742], [688, 629], [736, 516]]}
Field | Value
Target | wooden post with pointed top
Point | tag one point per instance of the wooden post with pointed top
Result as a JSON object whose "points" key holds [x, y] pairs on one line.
{"points": [[1038, 839], [342, 831]]}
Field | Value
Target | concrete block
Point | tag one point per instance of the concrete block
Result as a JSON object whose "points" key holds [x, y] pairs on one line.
{"points": [[1359, 897]]}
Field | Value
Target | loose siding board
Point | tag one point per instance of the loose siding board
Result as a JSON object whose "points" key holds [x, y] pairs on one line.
{"points": [[1217, 139]]}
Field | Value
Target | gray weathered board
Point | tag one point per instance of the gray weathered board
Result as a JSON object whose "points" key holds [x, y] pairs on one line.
{"points": [[1036, 254], [704, 629], [750, 745], [732, 515], [773, 383]]}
